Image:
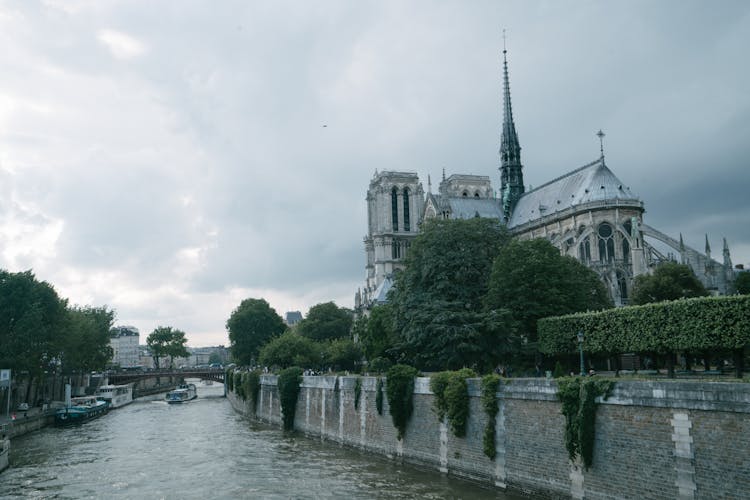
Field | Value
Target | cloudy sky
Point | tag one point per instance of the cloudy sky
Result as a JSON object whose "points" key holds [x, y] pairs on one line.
{"points": [[169, 159]]}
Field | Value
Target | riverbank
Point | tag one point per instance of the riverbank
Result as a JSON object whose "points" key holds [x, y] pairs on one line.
{"points": [[653, 439]]}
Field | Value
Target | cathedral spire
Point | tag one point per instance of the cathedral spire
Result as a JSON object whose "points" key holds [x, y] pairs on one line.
{"points": [[708, 249], [511, 175], [727, 257]]}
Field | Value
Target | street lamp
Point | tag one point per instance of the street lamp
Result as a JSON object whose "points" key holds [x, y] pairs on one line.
{"points": [[580, 350]]}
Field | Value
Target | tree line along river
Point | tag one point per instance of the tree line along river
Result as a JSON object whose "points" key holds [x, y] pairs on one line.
{"points": [[204, 449]]}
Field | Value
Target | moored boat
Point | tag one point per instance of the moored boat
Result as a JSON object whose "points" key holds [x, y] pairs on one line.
{"points": [[115, 395], [183, 393], [81, 409]]}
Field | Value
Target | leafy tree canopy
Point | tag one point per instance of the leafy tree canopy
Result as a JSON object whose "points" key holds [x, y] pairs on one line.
{"points": [[670, 281], [326, 321], [437, 298], [342, 354], [291, 349], [251, 325], [167, 341], [86, 339], [375, 332], [742, 283], [32, 316], [533, 281]]}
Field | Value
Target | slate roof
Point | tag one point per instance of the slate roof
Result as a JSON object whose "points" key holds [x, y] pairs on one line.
{"points": [[381, 293], [467, 208], [594, 182]]}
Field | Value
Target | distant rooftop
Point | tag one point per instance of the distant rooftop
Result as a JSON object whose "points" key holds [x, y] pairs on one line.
{"points": [[293, 317]]}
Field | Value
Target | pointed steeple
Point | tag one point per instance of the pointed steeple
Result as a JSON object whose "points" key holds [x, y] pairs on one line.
{"points": [[682, 251], [511, 174], [429, 184], [727, 257], [708, 249]]}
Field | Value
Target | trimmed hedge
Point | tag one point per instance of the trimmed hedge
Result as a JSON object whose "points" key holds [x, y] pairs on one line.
{"points": [[687, 324]]}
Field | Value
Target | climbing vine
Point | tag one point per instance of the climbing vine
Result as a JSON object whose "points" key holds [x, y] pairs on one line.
{"points": [[490, 385], [237, 383], [229, 378], [251, 385], [289, 380], [379, 396], [357, 392], [452, 398], [578, 396], [400, 392]]}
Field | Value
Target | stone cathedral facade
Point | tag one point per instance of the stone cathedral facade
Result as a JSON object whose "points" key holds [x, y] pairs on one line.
{"points": [[587, 213]]}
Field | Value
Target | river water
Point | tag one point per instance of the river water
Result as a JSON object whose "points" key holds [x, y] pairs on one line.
{"points": [[204, 449]]}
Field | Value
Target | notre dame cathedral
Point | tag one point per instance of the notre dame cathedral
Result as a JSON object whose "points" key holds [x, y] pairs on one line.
{"points": [[587, 213]]}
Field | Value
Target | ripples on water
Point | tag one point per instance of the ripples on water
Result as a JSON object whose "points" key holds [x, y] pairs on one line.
{"points": [[204, 449]]}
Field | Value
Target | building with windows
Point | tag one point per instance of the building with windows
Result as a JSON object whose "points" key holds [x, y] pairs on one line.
{"points": [[587, 213], [124, 343]]}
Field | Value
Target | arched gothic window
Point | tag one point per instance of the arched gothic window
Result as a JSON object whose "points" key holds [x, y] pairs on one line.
{"points": [[584, 251], [606, 243], [622, 284], [406, 210], [394, 208], [625, 250]]}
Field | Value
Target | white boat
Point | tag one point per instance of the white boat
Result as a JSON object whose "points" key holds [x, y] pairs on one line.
{"points": [[4, 452], [115, 395], [183, 393]]}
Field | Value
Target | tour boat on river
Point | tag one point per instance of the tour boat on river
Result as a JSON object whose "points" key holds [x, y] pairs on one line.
{"points": [[115, 395], [81, 409], [183, 393]]}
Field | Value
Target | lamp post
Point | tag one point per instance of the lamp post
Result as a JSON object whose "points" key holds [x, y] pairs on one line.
{"points": [[580, 350]]}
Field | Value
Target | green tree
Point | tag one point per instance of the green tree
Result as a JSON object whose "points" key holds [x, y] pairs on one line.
{"points": [[437, 298], [669, 281], [375, 332], [342, 354], [742, 283], [167, 341], [86, 339], [326, 321], [250, 326], [291, 349], [214, 358], [532, 280], [32, 316]]}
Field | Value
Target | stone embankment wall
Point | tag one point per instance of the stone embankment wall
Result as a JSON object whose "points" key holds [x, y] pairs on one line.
{"points": [[665, 439]]}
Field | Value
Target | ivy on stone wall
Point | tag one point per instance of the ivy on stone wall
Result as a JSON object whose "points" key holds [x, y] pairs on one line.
{"points": [[289, 381], [357, 392], [229, 378], [251, 385], [237, 382], [452, 398], [400, 392], [490, 385], [578, 396], [379, 396]]}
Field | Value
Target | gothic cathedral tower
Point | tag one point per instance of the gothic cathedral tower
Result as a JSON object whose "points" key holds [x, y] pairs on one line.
{"points": [[395, 201]]}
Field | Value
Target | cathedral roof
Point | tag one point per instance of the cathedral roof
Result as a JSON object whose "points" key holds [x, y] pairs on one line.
{"points": [[467, 208], [381, 293], [591, 183]]}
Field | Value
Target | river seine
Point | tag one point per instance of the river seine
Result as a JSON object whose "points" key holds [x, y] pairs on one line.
{"points": [[204, 449]]}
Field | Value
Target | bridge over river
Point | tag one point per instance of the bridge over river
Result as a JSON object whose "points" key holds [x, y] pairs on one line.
{"points": [[149, 382]]}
